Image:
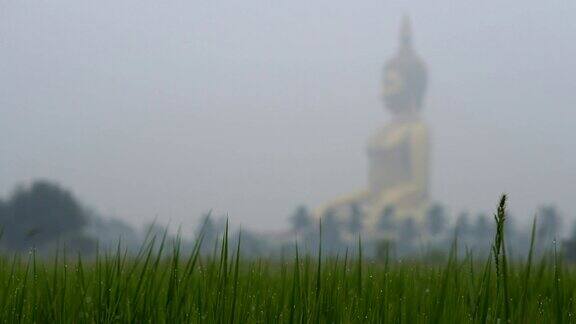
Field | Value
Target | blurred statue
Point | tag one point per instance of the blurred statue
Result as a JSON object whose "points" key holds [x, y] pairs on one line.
{"points": [[398, 163]]}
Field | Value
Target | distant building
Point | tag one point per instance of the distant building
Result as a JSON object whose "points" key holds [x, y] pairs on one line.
{"points": [[398, 154]]}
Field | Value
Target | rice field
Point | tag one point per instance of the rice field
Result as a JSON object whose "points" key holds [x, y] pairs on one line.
{"points": [[161, 284]]}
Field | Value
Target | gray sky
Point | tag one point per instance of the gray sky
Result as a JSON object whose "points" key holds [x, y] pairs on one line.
{"points": [[170, 108]]}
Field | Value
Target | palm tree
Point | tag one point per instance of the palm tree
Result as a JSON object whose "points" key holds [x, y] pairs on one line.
{"points": [[356, 216], [300, 220], [436, 219]]}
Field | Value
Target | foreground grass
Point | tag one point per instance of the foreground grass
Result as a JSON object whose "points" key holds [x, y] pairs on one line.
{"points": [[160, 285]]}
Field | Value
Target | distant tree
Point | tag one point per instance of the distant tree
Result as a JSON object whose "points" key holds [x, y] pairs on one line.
{"points": [[155, 230], [386, 220], [569, 246], [408, 231], [41, 214], [573, 233], [482, 229], [252, 244], [330, 231], [301, 219], [436, 219], [207, 229], [511, 232], [463, 227], [549, 223], [355, 221], [384, 248], [111, 231], [3, 213]]}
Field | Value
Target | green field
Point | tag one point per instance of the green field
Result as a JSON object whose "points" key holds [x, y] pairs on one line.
{"points": [[162, 285]]}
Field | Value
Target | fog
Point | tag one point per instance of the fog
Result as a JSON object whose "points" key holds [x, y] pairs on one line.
{"points": [[167, 109]]}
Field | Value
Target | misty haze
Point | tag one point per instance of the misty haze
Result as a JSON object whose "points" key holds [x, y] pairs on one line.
{"points": [[150, 110], [378, 130]]}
